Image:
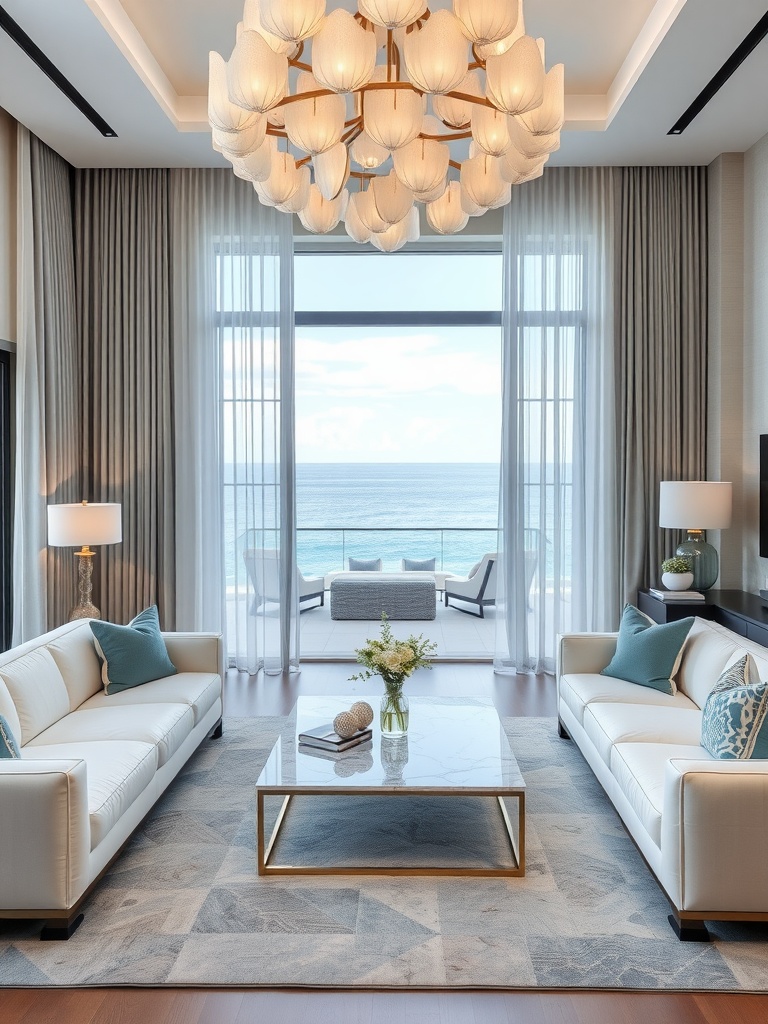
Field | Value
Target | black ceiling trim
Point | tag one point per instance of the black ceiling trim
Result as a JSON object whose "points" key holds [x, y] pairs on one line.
{"points": [[33, 51], [737, 58]]}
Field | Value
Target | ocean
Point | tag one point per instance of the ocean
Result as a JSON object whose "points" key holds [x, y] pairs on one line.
{"points": [[446, 511]]}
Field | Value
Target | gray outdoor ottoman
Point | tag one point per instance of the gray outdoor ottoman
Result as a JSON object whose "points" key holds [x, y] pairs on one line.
{"points": [[401, 595]]}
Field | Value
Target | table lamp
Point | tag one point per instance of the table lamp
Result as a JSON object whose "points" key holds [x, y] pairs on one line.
{"points": [[84, 524], [696, 506]]}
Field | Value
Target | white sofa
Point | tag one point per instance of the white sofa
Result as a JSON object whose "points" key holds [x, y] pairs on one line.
{"points": [[701, 823], [91, 765]]}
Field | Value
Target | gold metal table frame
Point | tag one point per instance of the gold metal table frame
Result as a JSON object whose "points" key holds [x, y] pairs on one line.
{"points": [[264, 849]]}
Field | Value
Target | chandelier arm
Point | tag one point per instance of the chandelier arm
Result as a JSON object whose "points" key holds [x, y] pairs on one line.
{"points": [[352, 134], [389, 54], [388, 85], [452, 137], [354, 120], [305, 160], [362, 175], [478, 61], [300, 65], [277, 132], [296, 97], [468, 98], [454, 163]]}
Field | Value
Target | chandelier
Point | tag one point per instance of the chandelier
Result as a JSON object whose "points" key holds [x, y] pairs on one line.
{"points": [[359, 118]]}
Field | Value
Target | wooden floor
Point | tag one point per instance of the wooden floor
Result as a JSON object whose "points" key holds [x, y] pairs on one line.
{"points": [[244, 696]]}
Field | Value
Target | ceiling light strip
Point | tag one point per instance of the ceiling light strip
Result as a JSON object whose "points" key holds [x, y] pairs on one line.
{"points": [[737, 58], [35, 54]]}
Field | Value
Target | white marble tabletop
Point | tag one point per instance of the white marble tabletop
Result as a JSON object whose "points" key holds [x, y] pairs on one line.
{"points": [[453, 743]]}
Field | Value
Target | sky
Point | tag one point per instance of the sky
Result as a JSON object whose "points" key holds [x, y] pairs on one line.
{"points": [[398, 394]]}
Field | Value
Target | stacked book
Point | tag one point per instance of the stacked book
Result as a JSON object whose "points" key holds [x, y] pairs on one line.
{"points": [[676, 595], [324, 738]]}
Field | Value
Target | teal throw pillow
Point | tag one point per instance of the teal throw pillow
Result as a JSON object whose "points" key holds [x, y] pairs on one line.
{"points": [[733, 723], [9, 748], [646, 653], [132, 654]]}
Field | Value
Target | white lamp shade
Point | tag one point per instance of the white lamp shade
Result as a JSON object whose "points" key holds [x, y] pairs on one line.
{"points": [[549, 117], [300, 198], [480, 177], [489, 130], [391, 13], [392, 199], [252, 22], [422, 164], [222, 113], [515, 79], [445, 215], [292, 20], [332, 170], [343, 53], [320, 214], [316, 124], [486, 21], [457, 113], [257, 77], [436, 54], [354, 226], [695, 505], [393, 117], [75, 525], [240, 144]]}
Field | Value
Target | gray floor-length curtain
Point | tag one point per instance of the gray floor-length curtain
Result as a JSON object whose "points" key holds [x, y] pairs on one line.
{"points": [[661, 337], [123, 262], [233, 342], [48, 396], [558, 539]]}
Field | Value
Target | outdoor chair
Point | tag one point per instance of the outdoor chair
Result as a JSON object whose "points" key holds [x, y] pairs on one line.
{"points": [[479, 588], [262, 567]]}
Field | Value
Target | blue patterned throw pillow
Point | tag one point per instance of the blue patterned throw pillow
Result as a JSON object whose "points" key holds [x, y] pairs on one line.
{"points": [[733, 723], [646, 653], [132, 654], [9, 748]]}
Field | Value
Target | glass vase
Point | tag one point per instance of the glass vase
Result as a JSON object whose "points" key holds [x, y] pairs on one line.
{"points": [[394, 713]]}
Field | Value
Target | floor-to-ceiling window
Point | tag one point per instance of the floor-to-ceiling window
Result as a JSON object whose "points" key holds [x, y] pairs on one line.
{"points": [[398, 417], [5, 500]]}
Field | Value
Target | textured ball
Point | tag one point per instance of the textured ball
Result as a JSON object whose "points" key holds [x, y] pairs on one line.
{"points": [[363, 713], [345, 724]]}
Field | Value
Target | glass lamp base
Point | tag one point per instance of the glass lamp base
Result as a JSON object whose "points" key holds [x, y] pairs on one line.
{"points": [[704, 561], [84, 611]]}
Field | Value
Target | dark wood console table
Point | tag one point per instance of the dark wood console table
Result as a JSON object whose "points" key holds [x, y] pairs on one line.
{"points": [[746, 614]]}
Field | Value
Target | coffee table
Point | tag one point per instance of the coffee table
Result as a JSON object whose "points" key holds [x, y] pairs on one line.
{"points": [[455, 747]]}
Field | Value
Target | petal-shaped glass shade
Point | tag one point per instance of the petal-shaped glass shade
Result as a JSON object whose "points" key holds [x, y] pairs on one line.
{"points": [[502, 45], [422, 165], [397, 234], [292, 19], [489, 130], [331, 170], [392, 13], [516, 167], [316, 124], [243, 142], [533, 146], [252, 22], [486, 21], [549, 117], [257, 77], [343, 53], [457, 113], [436, 54], [297, 202], [321, 215], [393, 117], [480, 176], [283, 182], [446, 215], [515, 79], [256, 166], [355, 228], [367, 153], [391, 198], [276, 116], [468, 205], [222, 113]]}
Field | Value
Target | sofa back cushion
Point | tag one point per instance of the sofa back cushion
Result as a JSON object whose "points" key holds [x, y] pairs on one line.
{"points": [[708, 650], [37, 689], [76, 658]]}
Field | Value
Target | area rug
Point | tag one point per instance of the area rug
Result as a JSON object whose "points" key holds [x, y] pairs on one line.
{"points": [[183, 904]]}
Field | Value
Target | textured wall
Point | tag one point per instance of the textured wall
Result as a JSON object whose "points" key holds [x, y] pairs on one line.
{"points": [[725, 366], [7, 227], [755, 402]]}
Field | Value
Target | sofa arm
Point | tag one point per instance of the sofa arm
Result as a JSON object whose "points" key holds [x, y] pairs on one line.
{"points": [[196, 652], [45, 838], [714, 829], [584, 652]]}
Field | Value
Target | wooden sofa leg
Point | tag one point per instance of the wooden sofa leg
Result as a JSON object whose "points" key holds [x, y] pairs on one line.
{"points": [[562, 732], [218, 731], [58, 929], [690, 929]]}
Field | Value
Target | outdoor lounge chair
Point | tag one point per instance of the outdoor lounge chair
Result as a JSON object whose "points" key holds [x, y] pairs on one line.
{"points": [[479, 588], [262, 566]]}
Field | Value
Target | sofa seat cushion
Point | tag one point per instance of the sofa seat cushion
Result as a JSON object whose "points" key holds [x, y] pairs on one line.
{"points": [[164, 725], [199, 690], [118, 771], [607, 724], [582, 688], [639, 770]]}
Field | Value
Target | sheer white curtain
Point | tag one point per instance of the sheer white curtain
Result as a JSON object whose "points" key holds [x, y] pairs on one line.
{"points": [[233, 344], [558, 499]]}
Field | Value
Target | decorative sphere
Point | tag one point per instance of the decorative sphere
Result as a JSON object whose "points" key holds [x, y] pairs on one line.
{"points": [[345, 724], [363, 713]]}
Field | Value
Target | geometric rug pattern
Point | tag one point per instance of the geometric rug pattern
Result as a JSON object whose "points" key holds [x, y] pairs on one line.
{"points": [[183, 904]]}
